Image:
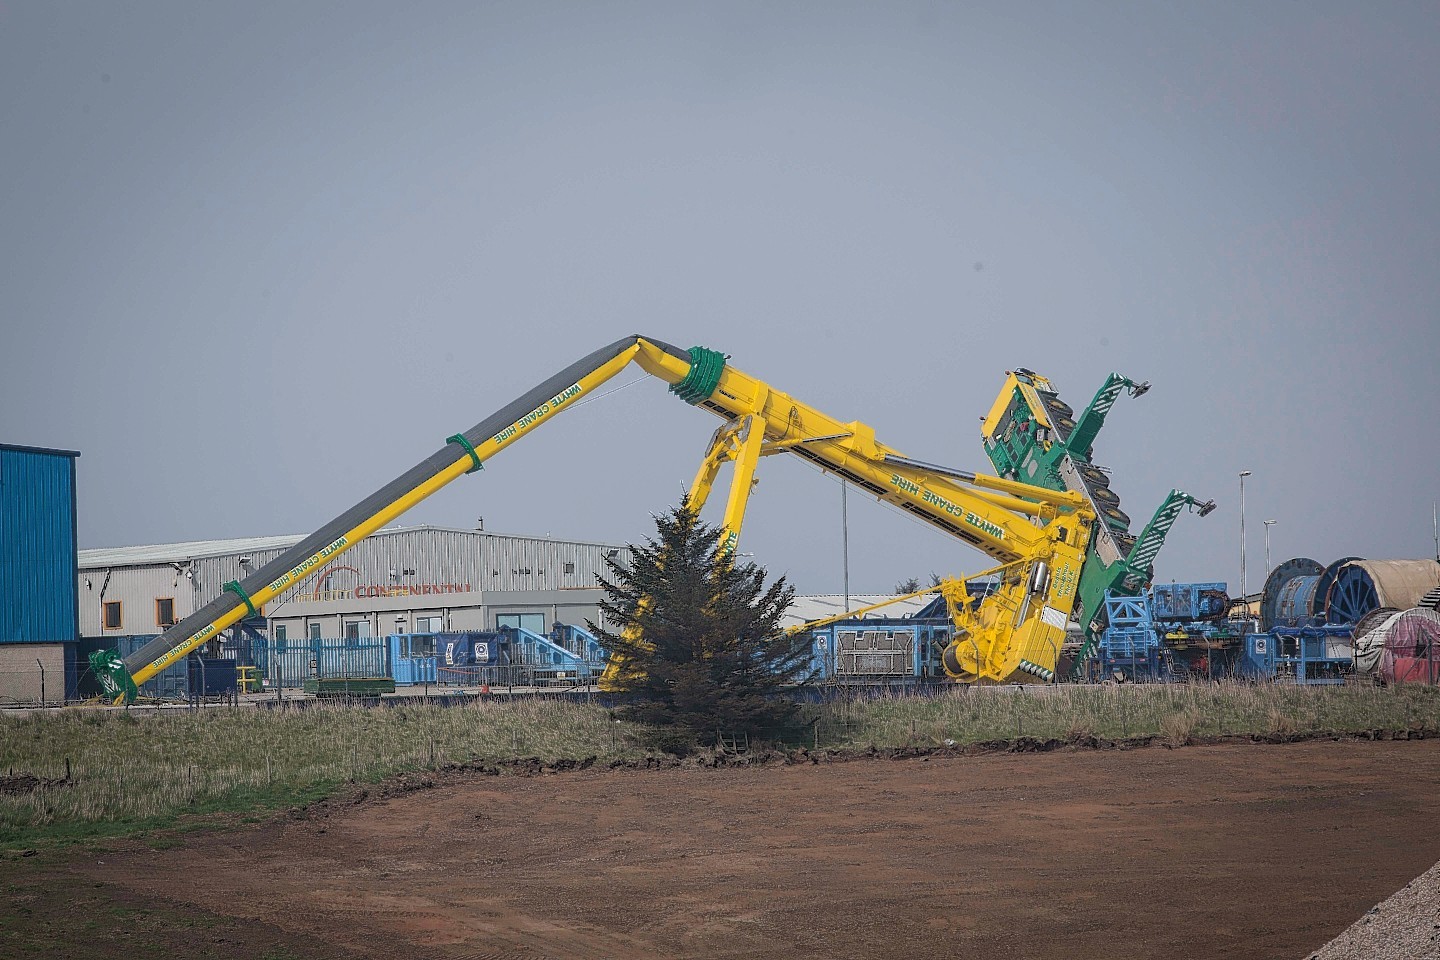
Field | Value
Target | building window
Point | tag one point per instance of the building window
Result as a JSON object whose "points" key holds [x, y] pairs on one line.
{"points": [[112, 615], [355, 629], [534, 622], [314, 631], [279, 633], [427, 625], [165, 611], [569, 567]]}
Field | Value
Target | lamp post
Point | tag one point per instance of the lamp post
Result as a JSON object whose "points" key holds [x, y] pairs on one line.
{"points": [[845, 538], [1268, 525], [1244, 597]]}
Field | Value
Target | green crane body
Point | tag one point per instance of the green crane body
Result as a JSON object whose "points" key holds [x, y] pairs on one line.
{"points": [[1032, 436]]}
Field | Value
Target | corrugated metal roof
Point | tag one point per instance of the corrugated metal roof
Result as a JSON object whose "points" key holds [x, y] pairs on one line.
{"points": [[805, 609], [100, 557], [178, 552], [21, 448]]}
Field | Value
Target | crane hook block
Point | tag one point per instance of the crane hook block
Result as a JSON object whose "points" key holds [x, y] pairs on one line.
{"points": [[704, 376]]}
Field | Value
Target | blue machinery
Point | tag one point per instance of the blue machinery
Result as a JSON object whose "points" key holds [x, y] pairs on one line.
{"points": [[880, 650], [1308, 655], [1174, 631], [508, 655], [1177, 632]]}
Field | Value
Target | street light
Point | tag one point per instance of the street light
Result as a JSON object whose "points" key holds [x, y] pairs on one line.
{"points": [[845, 539], [1244, 597], [1268, 525]]}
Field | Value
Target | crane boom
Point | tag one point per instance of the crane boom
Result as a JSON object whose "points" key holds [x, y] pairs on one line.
{"points": [[1038, 535]]}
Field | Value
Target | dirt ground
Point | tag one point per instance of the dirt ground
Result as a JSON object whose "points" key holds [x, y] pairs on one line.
{"points": [[1222, 851]]}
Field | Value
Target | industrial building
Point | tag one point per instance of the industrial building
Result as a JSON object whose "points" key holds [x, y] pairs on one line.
{"points": [[422, 579], [38, 604], [417, 582]]}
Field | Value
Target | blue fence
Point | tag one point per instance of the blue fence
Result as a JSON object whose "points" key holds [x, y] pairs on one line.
{"points": [[289, 663]]}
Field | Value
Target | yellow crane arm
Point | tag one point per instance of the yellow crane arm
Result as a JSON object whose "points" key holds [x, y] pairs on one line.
{"points": [[1039, 536], [1040, 543]]}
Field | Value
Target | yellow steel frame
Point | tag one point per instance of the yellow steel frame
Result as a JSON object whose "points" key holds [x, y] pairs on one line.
{"points": [[1038, 535]]}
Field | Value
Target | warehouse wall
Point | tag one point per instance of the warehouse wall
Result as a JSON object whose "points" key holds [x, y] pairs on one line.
{"points": [[463, 577], [422, 556], [136, 589], [20, 675], [461, 611], [37, 545]]}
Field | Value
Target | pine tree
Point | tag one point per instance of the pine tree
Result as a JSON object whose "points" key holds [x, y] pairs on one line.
{"points": [[700, 636]]}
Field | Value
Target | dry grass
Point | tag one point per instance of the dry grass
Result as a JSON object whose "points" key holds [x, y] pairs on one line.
{"points": [[134, 768], [132, 771], [1177, 712]]}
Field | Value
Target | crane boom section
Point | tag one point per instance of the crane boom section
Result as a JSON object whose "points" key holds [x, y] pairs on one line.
{"points": [[1048, 528], [463, 453], [1001, 527]]}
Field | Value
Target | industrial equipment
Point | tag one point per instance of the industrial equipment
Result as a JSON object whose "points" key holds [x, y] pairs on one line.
{"points": [[1309, 654], [879, 649], [1174, 631], [1038, 534], [1301, 592], [1031, 435], [1178, 632], [1362, 585], [511, 656]]}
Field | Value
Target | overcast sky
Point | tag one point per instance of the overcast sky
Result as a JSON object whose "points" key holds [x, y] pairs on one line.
{"points": [[256, 259]]}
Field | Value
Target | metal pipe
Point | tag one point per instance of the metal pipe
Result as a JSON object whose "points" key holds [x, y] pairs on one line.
{"points": [[845, 538], [1244, 597]]}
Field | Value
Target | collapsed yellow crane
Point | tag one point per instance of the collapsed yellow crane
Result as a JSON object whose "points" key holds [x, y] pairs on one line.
{"points": [[1038, 536]]}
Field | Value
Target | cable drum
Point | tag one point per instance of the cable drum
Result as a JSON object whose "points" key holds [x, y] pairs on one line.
{"points": [[1375, 618], [1298, 597], [1359, 586]]}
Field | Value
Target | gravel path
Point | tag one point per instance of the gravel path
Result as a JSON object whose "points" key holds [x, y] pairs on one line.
{"points": [[1405, 927]]}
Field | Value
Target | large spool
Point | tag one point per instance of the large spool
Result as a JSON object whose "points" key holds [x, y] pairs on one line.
{"points": [[1360, 586], [1288, 593]]}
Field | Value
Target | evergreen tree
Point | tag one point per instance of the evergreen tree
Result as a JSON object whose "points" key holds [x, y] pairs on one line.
{"points": [[907, 586], [700, 636]]}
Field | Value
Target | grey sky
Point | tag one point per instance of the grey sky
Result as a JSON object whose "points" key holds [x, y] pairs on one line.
{"points": [[256, 259]]}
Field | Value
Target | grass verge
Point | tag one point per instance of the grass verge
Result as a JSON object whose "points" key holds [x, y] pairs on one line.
{"points": [[149, 775]]}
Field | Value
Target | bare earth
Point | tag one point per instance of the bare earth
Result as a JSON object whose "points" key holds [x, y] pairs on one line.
{"points": [[1224, 851]]}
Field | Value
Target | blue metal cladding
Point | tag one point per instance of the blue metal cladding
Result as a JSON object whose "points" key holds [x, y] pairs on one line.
{"points": [[38, 602]]}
